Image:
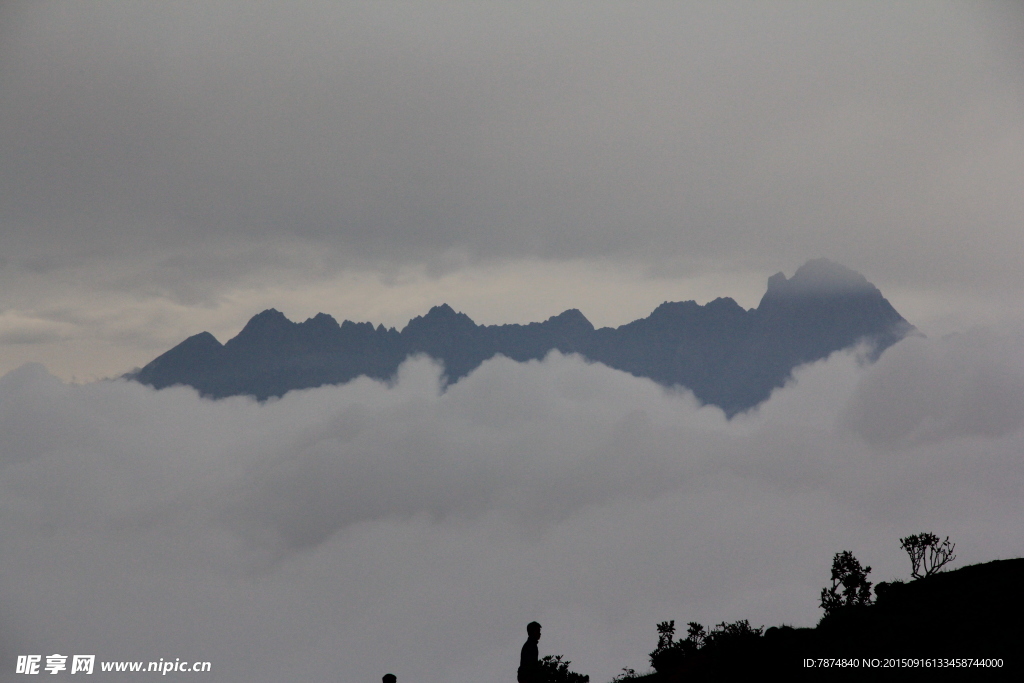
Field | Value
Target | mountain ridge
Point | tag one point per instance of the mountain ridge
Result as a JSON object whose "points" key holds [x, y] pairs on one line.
{"points": [[727, 355]]}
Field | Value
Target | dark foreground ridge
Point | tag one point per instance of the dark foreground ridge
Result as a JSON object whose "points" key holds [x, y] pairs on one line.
{"points": [[962, 625], [727, 356]]}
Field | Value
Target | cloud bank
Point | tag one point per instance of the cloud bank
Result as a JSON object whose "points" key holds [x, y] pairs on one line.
{"points": [[343, 532]]}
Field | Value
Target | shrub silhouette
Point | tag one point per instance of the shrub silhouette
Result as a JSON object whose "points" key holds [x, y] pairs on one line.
{"points": [[927, 554], [848, 575], [551, 669], [882, 588], [670, 654], [729, 634]]}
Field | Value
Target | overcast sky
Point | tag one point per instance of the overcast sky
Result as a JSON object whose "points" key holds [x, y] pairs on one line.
{"points": [[168, 168]]}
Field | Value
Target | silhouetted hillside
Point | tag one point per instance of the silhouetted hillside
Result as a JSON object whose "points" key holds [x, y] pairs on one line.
{"points": [[969, 613], [727, 356]]}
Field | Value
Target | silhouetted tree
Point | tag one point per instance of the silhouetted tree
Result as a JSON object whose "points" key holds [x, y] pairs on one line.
{"points": [[551, 669], [927, 554], [850, 585]]}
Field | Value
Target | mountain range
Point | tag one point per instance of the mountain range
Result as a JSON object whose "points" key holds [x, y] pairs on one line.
{"points": [[726, 355]]}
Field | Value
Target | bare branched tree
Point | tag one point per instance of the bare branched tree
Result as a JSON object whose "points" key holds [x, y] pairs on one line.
{"points": [[927, 555]]}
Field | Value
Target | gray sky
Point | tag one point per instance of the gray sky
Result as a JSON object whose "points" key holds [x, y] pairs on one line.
{"points": [[170, 168]]}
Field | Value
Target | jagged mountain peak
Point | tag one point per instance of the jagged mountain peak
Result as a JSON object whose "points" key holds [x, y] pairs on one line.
{"points": [[726, 304], [439, 316], [441, 312], [680, 309], [322, 321], [726, 355], [203, 340], [270, 315], [270, 319], [572, 318]]}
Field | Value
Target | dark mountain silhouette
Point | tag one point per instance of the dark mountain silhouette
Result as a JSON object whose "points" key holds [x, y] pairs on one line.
{"points": [[727, 356]]}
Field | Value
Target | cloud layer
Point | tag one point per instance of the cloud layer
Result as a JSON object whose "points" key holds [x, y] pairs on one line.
{"points": [[342, 532]]}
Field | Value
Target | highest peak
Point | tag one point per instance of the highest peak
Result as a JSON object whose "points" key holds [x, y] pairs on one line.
{"points": [[819, 276], [822, 272]]}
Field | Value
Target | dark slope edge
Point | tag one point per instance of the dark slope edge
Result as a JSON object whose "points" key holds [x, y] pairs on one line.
{"points": [[970, 613], [727, 356]]}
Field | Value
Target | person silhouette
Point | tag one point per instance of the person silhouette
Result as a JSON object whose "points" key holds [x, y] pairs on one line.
{"points": [[389, 678], [528, 670]]}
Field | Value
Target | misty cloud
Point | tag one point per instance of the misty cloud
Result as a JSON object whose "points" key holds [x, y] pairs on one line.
{"points": [[347, 531], [970, 384]]}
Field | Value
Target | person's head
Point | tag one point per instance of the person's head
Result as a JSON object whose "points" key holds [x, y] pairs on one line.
{"points": [[533, 629], [389, 678]]}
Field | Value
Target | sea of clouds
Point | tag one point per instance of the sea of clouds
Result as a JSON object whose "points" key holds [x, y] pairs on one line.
{"points": [[344, 532]]}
